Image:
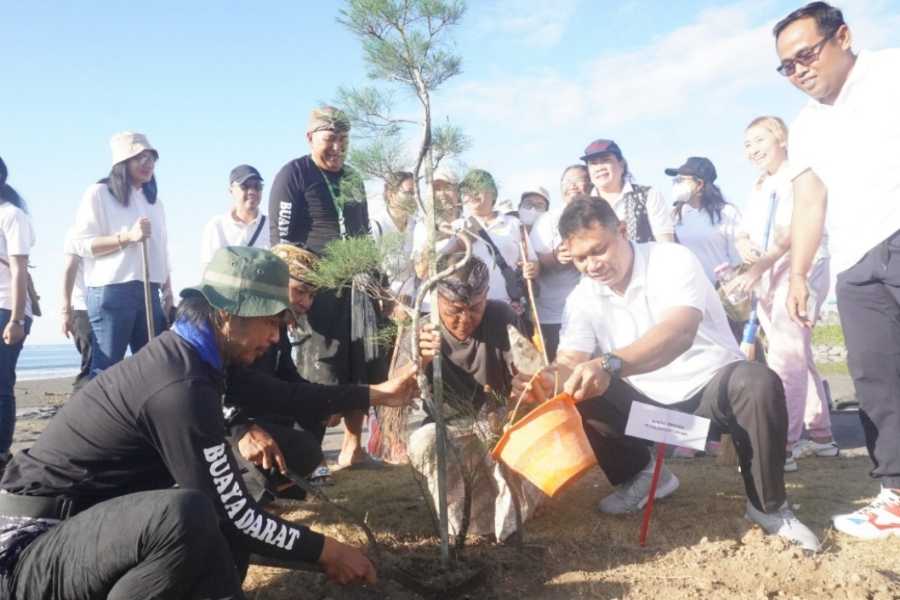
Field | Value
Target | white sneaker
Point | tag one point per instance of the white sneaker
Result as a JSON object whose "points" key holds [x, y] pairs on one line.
{"points": [[633, 495], [784, 524], [805, 448], [790, 464], [878, 520]]}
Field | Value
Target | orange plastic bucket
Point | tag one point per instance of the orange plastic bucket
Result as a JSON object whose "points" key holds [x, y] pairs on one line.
{"points": [[548, 446]]}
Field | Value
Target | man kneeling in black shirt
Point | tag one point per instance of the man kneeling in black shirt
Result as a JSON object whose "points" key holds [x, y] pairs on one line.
{"points": [[91, 511]]}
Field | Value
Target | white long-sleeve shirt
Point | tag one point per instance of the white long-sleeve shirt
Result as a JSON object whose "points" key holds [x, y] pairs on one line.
{"points": [[100, 214]]}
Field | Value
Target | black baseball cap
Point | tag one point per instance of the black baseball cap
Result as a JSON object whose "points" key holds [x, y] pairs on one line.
{"points": [[3, 172], [601, 146], [242, 173], [696, 166]]}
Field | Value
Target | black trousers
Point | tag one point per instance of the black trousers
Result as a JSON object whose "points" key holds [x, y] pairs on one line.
{"points": [[745, 399], [158, 544], [302, 452], [551, 339], [868, 296], [81, 335]]}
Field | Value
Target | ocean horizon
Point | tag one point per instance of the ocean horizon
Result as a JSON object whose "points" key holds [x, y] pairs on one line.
{"points": [[47, 361]]}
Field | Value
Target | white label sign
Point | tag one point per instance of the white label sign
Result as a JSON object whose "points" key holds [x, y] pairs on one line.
{"points": [[667, 426]]}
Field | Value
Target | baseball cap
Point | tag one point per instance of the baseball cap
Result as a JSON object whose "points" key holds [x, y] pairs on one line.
{"points": [[3, 172], [127, 144], [696, 166], [538, 191], [242, 173], [246, 282], [602, 146]]}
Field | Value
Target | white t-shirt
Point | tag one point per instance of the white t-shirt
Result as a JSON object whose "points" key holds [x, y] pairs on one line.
{"points": [[100, 214], [226, 230], [664, 276], [756, 211], [16, 239], [504, 231], [71, 249], [853, 147], [400, 265], [712, 244], [557, 284], [658, 214]]}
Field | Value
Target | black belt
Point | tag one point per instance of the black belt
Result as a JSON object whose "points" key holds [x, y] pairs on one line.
{"points": [[36, 507]]}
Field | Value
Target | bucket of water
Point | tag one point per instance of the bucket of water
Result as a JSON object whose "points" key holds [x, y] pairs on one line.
{"points": [[548, 446]]}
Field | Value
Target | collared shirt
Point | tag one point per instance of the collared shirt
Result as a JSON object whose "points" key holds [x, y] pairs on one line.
{"points": [[555, 284], [664, 276], [852, 147], [505, 232], [659, 215], [399, 265], [226, 230], [16, 239], [712, 244], [70, 249], [100, 214]]}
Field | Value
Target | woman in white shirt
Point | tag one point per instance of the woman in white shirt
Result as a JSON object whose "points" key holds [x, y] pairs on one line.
{"points": [[479, 194], [16, 240], [116, 215], [790, 345], [396, 228], [704, 221]]}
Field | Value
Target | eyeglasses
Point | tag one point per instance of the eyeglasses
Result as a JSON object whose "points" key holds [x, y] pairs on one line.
{"points": [[804, 57]]}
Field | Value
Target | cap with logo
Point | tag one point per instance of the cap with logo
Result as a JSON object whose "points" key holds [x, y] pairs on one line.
{"points": [[696, 166], [242, 173], [127, 144], [246, 282], [598, 147]]}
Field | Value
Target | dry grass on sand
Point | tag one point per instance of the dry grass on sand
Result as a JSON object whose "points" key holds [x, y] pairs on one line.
{"points": [[699, 544]]}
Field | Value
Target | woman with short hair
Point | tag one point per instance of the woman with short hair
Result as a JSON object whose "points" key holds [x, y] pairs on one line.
{"points": [[16, 240], [118, 214]]}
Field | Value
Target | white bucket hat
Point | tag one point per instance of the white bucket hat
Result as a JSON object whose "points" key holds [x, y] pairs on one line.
{"points": [[127, 144]]}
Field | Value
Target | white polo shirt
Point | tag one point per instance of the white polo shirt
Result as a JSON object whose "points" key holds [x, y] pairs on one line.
{"points": [[712, 244], [16, 239], [853, 147], [664, 276], [78, 292], [556, 284], [226, 230]]}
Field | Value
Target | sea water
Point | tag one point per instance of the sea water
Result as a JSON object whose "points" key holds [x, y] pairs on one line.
{"points": [[47, 361]]}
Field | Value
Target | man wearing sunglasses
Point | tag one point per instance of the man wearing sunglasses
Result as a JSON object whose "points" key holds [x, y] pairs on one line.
{"points": [[843, 153], [242, 225]]}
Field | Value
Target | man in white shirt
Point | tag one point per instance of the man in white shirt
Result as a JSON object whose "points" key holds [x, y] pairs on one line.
{"points": [[661, 337], [242, 225], [76, 321], [843, 150]]}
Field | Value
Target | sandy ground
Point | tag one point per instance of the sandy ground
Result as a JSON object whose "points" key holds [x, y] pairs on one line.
{"points": [[699, 545]]}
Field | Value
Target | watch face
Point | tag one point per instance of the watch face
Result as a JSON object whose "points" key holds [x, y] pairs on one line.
{"points": [[613, 364]]}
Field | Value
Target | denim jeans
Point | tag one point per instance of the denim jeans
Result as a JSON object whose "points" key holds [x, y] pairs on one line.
{"points": [[9, 356], [119, 321]]}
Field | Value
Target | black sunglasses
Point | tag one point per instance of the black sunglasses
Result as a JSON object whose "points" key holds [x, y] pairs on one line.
{"points": [[804, 57]]}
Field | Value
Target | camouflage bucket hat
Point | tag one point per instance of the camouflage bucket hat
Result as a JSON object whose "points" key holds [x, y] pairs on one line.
{"points": [[246, 282]]}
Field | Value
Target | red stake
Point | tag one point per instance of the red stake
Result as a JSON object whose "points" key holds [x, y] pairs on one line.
{"points": [[660, 457]]}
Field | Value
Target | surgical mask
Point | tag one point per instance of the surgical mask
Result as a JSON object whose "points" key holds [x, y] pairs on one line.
{"points": [[467, 211], [682, 192], [529, 215]]}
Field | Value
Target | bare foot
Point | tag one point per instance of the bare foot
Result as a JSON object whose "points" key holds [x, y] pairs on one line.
{"points": [[352, 456]]}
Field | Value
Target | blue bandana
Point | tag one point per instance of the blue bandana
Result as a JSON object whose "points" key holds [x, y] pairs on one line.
{"points": [[201, 338]]}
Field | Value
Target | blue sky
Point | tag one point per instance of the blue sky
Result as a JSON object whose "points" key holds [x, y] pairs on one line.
{"points": [[217, 84]]}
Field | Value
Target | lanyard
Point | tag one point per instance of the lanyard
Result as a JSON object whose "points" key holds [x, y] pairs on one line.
{"points": [[338, 206]]}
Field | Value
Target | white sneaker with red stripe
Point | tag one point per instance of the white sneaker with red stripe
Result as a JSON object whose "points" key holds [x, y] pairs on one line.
{"points": [[879, 520]]}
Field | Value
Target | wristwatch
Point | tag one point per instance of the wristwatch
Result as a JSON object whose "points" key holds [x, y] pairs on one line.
{"points": [[19, 322], [611, 363]]}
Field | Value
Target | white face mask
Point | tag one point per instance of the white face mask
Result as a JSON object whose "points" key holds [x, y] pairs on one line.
{"points": [[467, 211], [682, 192], [529, 215]]}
